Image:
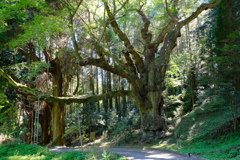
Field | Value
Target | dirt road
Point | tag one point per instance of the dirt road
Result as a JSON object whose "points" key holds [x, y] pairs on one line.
{"points": [[139, 153]]}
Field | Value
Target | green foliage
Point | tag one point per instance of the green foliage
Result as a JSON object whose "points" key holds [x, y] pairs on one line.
{"points": [[13, 14], [103, 154], [23, 151], [8, 117], [34, 18], [26, 151], [222, 147], [204, 121], [75, 155], [40, 28], [126, 131], [3, 100], [27, 71]]}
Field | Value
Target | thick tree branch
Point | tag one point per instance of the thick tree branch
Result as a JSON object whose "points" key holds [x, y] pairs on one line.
{"points": [[74, 40], [87, 99], [102, 51], [25, 53], [102, 63], [144, 31], [163, 33], [81, 99], [129, 62], [78, 84], [165, 52], [18, 85], [128, 70], [199, 10], [138, 61], [47, 55]]}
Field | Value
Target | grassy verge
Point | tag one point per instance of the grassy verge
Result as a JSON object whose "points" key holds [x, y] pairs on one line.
{"points": [[21, 151], [223, 147]]}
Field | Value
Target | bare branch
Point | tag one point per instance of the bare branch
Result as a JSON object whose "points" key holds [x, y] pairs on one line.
{"points": [[116, 69], [120, 7], [78, 5], [199, 10], [74, 40], [72, 11], [144, 31], [165, 52], [67, 5], [87, 99], [169, 13], [129, 61], [100, 50]]}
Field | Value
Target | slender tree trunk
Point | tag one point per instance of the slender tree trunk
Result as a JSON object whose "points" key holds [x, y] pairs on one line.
{"points": [[109, 88], [97, 88], [91, 81], [105, 101], [124, 108], [31, 127], [118, 108]]}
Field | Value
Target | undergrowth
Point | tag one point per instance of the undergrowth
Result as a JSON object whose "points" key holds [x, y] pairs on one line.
{"points": [[22, 151], [223, 147]]}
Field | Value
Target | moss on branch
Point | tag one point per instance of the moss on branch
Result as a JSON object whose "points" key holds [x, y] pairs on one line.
{"points": [[81, 99]]}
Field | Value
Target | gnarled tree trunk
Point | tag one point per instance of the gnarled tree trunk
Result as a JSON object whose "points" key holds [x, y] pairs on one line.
{"points": [[152, 120]]}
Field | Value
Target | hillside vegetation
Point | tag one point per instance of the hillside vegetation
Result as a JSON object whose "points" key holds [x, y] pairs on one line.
{"points": [[206, 131]]}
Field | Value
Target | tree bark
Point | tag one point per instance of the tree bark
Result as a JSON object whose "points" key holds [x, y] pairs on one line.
{"points": [[152, 124], [58, 109], [45, 122], [152, 121], [58, 126]]}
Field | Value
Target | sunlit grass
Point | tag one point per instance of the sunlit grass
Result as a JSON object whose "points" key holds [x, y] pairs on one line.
{"points": [[21, 151], [29, 157]]}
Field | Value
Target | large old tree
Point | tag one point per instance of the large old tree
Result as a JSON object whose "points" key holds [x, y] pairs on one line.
{"points": [[131, 39], [145, 67]]}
